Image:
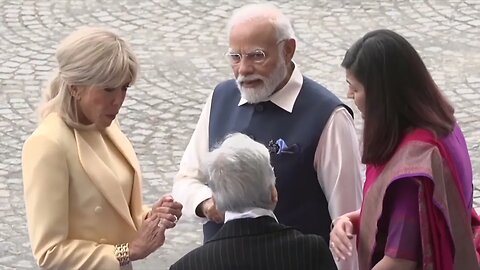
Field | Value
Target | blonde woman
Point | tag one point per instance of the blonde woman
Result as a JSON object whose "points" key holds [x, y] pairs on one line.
{"points": [[82, 179]]}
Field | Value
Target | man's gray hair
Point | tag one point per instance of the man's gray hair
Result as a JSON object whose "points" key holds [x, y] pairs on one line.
{"points": [[263, 11], [240, 174]]}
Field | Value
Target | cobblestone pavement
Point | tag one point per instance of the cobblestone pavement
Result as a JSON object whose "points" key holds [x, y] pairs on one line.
{"points": [[180, 44]]}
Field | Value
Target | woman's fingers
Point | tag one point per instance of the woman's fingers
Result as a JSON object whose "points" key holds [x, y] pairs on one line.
{"points": [[339, 250], [347, 236], [340, 239], [166, 199], [173, 208], [335, 252], [168, 220], [167, 205], [168, 210], [159, 236], [150, 236]]}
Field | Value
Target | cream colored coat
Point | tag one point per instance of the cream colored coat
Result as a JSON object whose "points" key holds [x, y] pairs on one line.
{"points": [[75, 210]]}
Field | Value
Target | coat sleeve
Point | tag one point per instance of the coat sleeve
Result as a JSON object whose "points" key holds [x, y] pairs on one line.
{"points": [[46, 191]]}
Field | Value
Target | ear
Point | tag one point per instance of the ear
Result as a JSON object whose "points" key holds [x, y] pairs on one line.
{"points": [[274, 195], [213, 200], [289, 49], [74, 91]]}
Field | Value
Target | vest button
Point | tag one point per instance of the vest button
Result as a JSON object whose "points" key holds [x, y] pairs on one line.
{"points": [[259, 107]]}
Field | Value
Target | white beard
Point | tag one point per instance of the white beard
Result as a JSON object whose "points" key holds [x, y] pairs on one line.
{"points": [[269, 84]]}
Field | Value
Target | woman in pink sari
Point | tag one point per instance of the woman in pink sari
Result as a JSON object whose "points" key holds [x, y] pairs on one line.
{"points": [[417, 210]]}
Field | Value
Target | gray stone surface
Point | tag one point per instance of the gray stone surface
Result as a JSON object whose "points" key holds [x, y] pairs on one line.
{"points": [[180, 44]]}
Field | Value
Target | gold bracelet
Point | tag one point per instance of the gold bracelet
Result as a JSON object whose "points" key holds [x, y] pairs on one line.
{"points": [[122, 253]]}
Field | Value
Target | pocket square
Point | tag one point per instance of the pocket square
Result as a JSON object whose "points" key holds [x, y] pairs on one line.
{"points": [[280, 147]]}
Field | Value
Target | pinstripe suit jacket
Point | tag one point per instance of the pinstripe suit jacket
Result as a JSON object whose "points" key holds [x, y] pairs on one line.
{"points": [[259, 243]]}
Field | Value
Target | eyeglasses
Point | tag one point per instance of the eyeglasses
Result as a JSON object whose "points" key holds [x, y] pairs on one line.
{"points": [[257, 56]]}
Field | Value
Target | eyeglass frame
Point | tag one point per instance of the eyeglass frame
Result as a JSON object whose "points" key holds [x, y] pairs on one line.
{"points": [[249, 55]]}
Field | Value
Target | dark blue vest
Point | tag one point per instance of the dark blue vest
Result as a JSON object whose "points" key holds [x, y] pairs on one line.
{"points": [[301, 202]]}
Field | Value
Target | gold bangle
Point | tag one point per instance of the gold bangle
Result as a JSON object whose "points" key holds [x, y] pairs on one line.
{"points": [[122, 253]]}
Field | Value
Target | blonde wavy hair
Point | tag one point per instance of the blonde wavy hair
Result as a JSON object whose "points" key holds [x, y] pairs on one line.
{"points": [[90, 56]]}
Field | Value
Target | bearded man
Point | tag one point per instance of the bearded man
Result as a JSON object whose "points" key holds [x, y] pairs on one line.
{"points": [[308, 130]]}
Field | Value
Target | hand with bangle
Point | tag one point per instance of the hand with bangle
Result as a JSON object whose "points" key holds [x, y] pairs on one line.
{"points": [[151, 235]]}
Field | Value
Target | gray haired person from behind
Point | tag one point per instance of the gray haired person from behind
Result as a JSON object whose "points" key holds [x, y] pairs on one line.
{"points": [[243, 185]]}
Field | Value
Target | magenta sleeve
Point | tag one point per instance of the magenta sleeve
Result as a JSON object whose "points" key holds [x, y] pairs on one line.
{"points": [[404, 240]]}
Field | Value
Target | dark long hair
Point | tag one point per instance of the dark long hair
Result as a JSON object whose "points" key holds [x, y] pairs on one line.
{"points": [[400, 93]]}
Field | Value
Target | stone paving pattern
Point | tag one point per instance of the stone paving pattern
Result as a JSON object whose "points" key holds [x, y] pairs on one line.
{"points": [[180, 44]]}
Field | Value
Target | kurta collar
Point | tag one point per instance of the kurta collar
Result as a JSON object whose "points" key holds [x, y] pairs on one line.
{"points": [[285, 98]]}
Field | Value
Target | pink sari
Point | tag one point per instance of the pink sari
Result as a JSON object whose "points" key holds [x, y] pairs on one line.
{"points": [[449, 226]]}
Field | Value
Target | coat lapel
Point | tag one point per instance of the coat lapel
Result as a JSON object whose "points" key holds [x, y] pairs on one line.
{"points": [[125, 147], [94, 157]]}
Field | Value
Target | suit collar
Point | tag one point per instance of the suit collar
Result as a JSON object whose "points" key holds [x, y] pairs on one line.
{"points": [[94, 157], [248, 226], [252, 212]]}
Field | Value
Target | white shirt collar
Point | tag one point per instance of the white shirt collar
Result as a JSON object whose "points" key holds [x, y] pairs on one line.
{"points": [[249, 213], [285, 97]]}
